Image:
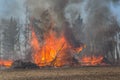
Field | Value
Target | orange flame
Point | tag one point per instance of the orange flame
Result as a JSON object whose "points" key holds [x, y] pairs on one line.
{"points": [[6, 63], [91, 61], [52, 52]]}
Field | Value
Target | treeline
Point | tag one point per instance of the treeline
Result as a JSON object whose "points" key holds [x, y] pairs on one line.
{"points": [[13, 39]]}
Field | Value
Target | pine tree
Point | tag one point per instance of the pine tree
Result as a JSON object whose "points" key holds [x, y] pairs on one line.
{"points": [[10, 38]]}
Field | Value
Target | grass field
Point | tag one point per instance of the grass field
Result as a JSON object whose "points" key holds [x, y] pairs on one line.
{"points": [[81, 73]]}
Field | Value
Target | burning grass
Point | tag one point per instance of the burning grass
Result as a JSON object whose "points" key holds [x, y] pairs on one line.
{"points": [[6, 63], [82, 73], [91, 61]]}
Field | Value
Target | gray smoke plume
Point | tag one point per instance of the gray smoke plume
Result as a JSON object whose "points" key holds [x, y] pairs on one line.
{"points": [[55, 7], [94, 22], [75, 9], [99, 22]]}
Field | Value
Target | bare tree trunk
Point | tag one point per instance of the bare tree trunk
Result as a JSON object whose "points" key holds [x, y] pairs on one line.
{"points": [[118, 47], [0, 46]]}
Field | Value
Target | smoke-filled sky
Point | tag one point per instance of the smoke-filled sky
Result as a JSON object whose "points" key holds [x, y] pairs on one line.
{"points": [[16, 8], [93, 12], [115, 8]]}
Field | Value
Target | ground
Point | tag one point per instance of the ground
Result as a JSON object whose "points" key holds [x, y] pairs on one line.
{"points": [[78, 73]]}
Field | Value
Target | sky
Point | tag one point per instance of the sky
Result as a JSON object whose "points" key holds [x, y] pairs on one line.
{"points": [[115, 9], [15, 8]]}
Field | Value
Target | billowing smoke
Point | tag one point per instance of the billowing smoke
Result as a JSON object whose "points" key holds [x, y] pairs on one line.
{"points": [[74, 10], [94, 22], [54, 7], [99, 22]]}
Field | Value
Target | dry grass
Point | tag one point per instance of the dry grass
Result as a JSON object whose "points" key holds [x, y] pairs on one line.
{"points": [[83, 73]]}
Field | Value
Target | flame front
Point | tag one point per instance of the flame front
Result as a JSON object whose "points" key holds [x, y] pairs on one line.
{"points": [[53, 51], [91, 61], [6, 63]]}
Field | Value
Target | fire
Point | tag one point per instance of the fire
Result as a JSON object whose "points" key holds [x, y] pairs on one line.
{"points": [[6, 63], [53, 51], [91, 61]]}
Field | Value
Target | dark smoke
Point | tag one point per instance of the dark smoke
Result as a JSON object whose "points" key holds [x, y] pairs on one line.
{"points": [[93, 22], [70, 36], [100, 24]]}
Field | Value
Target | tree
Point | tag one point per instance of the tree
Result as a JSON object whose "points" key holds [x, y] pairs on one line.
{"points": [[10, 38]]}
